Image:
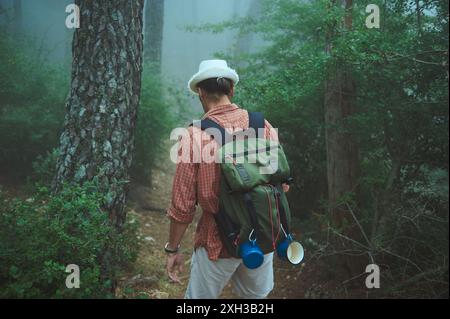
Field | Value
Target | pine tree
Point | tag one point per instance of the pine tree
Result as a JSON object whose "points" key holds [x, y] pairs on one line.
{"points": [[98, 135]]}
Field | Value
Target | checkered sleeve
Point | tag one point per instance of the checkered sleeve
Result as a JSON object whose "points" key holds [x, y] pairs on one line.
{"points": [[184, 189]]}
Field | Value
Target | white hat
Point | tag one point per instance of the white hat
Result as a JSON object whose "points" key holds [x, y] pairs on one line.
{"points": [[212, 69]]}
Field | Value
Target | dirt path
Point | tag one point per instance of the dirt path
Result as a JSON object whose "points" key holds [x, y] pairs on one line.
{"points": [[148, 278]]}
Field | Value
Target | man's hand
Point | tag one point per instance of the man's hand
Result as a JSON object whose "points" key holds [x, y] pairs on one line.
{"points": [[174, 266], [174, 258]]}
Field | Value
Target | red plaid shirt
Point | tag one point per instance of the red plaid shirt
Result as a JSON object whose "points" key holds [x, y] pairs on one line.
{"points": [[200, 182]]}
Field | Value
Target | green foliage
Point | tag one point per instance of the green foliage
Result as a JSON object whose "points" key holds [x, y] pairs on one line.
{"points": [[32, 94], [43, 234]]}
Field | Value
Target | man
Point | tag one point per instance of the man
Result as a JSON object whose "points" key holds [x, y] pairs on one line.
{"points": [[198, 183]]}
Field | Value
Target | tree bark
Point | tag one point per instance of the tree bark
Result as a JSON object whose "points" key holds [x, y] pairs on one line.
{"points": [[340, 104], [341, 147], [98, 135], [342, 150], [154, 27]]}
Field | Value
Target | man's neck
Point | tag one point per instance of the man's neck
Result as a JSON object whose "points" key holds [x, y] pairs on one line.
{"points": [[212, 105]]}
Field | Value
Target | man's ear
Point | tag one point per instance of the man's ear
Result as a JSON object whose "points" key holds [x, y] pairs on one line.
{"points": [[231, 94], [200, 93]]}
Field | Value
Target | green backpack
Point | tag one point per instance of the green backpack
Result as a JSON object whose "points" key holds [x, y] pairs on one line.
{"points": [[252, 204]]}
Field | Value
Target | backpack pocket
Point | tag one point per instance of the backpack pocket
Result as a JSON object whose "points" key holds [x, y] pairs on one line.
{"points": [[248, 163]]}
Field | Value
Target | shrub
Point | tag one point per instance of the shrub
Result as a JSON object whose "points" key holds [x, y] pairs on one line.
{"points": [[43, 234]]}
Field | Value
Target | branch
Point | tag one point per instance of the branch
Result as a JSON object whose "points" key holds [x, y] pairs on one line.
{"points": [[362, 232], [418, 277], [401, 257], [412, 57], [351, 240]]}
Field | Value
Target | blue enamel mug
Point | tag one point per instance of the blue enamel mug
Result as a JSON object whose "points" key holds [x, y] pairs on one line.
{"points": [[251, 254], [290, 250]]}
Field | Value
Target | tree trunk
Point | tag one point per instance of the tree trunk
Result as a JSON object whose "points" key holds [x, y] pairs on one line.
{"points": [[98, 135], [340, 104], [154, 27], [244, 42], [419, 18], [342, 149]]}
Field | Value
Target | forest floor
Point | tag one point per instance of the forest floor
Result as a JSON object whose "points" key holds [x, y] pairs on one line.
{"points": [[148, 279]]}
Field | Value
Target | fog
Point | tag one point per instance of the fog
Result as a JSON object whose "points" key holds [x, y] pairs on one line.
{"points": [[43, 22], [182, 50]]}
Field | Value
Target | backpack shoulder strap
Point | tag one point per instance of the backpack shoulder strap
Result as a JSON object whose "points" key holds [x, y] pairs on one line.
{"points": [[207, 124], [256, 121]]}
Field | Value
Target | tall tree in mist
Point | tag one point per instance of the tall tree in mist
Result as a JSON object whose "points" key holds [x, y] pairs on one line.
{"points": [[341, 147], [154, 26], [98, 135], [244, 42]]}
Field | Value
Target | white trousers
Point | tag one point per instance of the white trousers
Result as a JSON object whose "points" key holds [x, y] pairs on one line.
{"points": [[208, 278]]}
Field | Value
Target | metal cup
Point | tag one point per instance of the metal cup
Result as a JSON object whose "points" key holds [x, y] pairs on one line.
{"points": [[251, 254], [290, 250]]}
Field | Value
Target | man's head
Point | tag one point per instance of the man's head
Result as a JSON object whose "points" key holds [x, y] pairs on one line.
{"points": [[215, 91], [214, 82]]}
